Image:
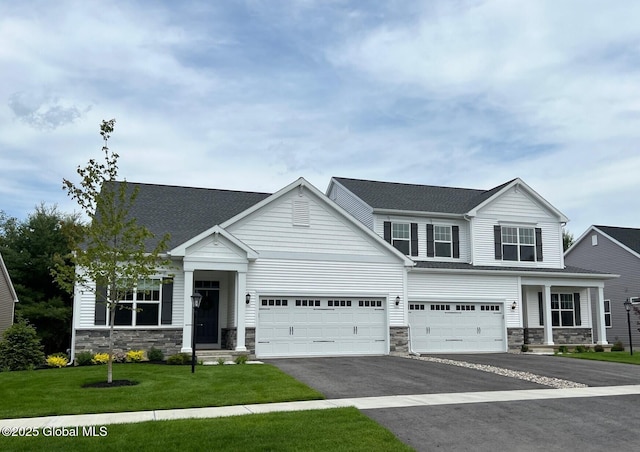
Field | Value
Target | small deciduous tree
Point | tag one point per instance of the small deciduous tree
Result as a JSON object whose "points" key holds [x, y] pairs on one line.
{"points": [[112, 252], [567, 240]]}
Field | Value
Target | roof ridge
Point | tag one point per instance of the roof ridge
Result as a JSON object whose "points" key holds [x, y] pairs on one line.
{"points": [[412, 184], [190, 187]]}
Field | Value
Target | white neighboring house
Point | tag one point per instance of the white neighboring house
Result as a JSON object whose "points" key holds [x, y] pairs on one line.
{"points": [[489, 273], [8, 298], [397, 268], [287, 274]]}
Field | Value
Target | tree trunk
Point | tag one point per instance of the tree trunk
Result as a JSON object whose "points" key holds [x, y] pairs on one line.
{"points": [[112, 316]]}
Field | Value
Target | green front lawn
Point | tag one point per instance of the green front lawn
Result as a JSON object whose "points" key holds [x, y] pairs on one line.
{"points": [[344, 429], [617, 357], [59, 391]]}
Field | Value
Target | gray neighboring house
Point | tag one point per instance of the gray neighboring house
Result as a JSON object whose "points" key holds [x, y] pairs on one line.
{"points": [[613, 250], [8, 298]]}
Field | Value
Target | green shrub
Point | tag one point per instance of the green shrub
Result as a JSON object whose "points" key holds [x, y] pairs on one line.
{"points": [[135, 356], [241, 359], [617, 346], [155, 355], [179, 359], [580, 349], [84, 358], [524, 348], [20, 348], [598, 348], [563, 349]]}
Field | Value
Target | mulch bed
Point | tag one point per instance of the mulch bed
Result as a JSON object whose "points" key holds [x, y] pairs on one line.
{"points": [[113, 384]]}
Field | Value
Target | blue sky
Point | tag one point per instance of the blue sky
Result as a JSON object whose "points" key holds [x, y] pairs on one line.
{"points": [[251, 95]]}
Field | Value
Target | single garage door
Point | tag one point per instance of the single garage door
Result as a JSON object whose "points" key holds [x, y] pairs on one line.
{"points": [[296, 326], [457, 327]]}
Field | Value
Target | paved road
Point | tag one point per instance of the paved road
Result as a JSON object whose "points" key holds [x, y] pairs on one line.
{"points": [[580, 424]]}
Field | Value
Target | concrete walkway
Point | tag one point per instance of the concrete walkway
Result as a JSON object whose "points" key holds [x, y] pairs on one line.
{"points": [[363, 403]]}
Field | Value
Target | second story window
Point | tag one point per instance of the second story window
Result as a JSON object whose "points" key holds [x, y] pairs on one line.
{"points": [[442, 240], [401, 237], [515, 243]]}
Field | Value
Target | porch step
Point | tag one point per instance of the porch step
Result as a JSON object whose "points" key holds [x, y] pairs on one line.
{"points": [[209, 357]]}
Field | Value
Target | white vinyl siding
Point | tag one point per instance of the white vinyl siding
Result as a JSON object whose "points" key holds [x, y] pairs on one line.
{"points": [[271, 229], [268, 277], [463, 235], [352, 204], [484, 253], [467, 288]]}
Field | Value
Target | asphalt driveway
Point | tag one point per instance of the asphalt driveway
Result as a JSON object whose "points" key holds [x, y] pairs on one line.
{"points": [[580, 424]]}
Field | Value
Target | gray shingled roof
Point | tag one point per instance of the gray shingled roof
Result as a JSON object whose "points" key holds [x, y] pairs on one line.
{"points": [[465, 266], [417, 198], [629, 237], [185, 212]]}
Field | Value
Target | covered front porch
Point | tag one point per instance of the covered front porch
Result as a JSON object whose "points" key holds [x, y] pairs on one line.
{"points": [[558, 311]]}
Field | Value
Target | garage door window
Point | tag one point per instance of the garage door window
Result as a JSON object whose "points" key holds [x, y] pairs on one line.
{"points": [[339, 303], [465, 307], [440, 307], [370, 303], [274, 302], [309, 303]]}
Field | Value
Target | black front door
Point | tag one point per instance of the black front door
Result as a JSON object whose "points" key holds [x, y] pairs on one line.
{"points": [[207, 315]]}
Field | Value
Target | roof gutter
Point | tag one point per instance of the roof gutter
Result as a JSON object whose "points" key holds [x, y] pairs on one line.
{"points": [[417, 213]]}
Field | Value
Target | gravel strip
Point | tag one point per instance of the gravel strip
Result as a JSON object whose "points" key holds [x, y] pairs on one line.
{"points": [[556, 383]]}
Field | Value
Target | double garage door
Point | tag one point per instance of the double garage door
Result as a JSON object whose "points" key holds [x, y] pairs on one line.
{"points": [[457, 327], [303, 326]]}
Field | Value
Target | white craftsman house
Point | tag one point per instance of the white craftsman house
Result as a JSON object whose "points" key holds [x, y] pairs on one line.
{"points": [[369, 268], [489, 273], [288, 274]]}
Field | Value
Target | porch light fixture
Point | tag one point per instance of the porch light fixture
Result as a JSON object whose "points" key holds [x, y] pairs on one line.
{"points": [[398, 300], [196, 298], [627, 306], [514, 305], [247, 298]]}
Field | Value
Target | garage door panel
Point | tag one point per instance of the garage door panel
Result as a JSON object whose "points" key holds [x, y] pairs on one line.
{"points": [[456, 327], [322, 326]]}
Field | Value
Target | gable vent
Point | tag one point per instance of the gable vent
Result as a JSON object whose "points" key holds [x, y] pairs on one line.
{"points": [[300, 212]]}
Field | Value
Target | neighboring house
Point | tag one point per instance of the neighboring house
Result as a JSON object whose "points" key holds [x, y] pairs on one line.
{"points": [[397, 268], [8, 298], [489, 272], [613, 250]]}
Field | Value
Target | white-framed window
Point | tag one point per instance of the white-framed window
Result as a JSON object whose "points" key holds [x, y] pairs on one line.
{"points": [[563, 310], [518, 244], [141, 305], [607, 313], [401, 237], [442, 240]]}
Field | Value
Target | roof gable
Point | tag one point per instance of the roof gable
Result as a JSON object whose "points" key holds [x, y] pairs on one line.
{"points": [[629, 237], [4, 273]]}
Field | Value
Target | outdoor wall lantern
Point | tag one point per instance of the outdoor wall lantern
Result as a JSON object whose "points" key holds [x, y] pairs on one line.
{"points": [[196, 298], [398, 300], [514, 305], [247, 298], [627, 306]]}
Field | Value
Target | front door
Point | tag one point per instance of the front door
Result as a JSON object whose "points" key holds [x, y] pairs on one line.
{"points": [[207, 315]]}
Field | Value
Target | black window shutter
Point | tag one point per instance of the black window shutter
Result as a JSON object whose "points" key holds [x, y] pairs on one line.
{"points": [[387, 231], [539, 244], [414, 239], [541, 308], [100, 316], [166, 316], [497, 239], [455, 232], [430, 243], [576, 307]]}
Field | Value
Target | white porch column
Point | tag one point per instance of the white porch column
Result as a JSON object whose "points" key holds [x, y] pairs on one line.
{"points": [[600, 322], [548, 327], [241, 290], [188, 317]]}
